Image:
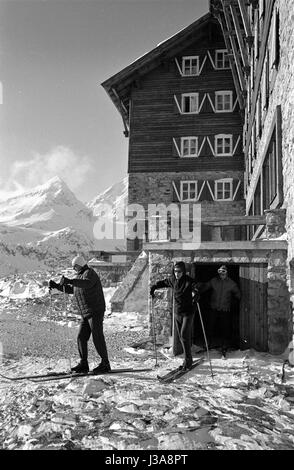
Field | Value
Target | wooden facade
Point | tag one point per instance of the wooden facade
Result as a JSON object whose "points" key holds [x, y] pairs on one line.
{"points": [[167, 110]]}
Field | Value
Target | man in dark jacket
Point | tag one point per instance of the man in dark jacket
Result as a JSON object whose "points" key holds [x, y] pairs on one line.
{"points": [[87, 290], [223, 289], [185, 295]]}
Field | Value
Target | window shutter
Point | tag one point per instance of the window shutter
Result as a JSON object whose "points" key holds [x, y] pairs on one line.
{"points": [[210, 145], [210, 99], [176, 193], [209, 194], [178, 61], [176, 148], [205, 195], [178, 104], [237, 189], [201, 146], [209, 55]]}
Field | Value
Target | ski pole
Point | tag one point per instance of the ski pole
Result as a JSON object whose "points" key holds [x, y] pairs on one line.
{"points": [[66, 334], [154, 331], [206, 344], [50, 320]]}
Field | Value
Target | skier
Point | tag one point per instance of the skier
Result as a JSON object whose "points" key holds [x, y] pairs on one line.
{"points": [[223, 289], [87, 290], [185, 296]]}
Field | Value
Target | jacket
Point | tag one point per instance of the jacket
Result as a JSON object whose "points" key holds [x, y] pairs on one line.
{"points": [[222, 292], [183, 288], [87, 290]]}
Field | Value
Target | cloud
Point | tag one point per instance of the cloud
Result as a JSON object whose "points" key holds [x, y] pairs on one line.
{"points": [[60, 161]]}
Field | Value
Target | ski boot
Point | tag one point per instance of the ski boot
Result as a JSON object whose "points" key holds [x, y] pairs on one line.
{"points": [[81, 368], [102, 368], [187, 364]]}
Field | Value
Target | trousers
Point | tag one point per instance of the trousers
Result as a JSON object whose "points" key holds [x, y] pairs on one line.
{"points": [[92, 326], [221, 322], [184, 328]]}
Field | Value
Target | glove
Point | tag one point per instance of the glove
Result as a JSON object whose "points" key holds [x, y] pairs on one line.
{"points": [[64, 281], [195, 298], [52, 284], [152, 290]]}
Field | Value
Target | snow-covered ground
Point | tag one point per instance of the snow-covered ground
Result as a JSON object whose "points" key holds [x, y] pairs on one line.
{"points": [[244, 405]]}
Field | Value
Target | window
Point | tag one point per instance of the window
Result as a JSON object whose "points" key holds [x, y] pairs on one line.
{"points": [[189, 190], [268, 182], [274, 46], [223, 144], [222, 59], [223, 189], [190, 66], [190, 103], [223, 101], [189, 146]]}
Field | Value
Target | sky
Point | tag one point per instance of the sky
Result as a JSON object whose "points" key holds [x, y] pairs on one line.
{"points": [[55, 117]]}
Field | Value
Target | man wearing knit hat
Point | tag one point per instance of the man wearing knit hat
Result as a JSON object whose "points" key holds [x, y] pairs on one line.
{"points": [[223, 289], [87, 290]]}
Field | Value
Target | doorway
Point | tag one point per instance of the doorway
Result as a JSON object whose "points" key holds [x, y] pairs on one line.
{"points": [[204, 272]]}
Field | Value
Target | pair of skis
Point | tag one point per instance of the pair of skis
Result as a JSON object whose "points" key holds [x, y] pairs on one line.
{"points": [[51, 376], [178, 372]]}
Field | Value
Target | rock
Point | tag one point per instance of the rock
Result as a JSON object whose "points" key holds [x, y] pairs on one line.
{"points": [[24, 431], [284, 405], [139, 424], [188, 441], [94, 387], [115, 426], [61, 418], [129, 408], [46, 428], [200, 412]]}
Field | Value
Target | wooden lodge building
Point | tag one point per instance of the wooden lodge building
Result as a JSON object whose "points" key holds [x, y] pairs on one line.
{"points": [[210, 121]]}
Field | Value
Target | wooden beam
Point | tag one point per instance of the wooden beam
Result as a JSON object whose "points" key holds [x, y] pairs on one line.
{"points": [[242, 48], [113, 253], [232, 63], [245, 20], [235, 51], [246, 220], [223, 246], [123, 112], [262, 53]]}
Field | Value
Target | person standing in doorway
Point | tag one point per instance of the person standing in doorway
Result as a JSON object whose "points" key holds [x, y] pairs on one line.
{"points": [[223, 290], [87, 290], [185, 295]]}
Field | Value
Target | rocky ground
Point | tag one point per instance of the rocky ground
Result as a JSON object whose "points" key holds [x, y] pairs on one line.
{"points": [[244, 406]]}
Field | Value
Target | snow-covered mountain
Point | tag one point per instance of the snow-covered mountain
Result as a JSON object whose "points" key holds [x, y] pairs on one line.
{"points": [[45, 227], [114, 200], [115, 196], [42, 228]]}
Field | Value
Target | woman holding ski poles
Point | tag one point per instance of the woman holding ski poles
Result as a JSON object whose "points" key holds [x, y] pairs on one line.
{"points": [[185, 297]]}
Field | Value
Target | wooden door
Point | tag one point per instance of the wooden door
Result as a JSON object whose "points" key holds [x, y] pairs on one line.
{"points": [[253, 307]]}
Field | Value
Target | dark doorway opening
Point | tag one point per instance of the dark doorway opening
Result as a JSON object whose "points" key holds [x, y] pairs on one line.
{"points": [[203, 272]]}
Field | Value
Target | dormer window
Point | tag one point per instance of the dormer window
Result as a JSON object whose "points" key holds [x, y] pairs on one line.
{"points": [[190, 103], [223, 144], [189, 146], [189, 190], [223, 101], [221, 59], [223, 189], [190, 66]]}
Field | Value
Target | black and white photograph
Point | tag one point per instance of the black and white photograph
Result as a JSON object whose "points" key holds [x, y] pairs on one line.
{"points": [[146, 228]]}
